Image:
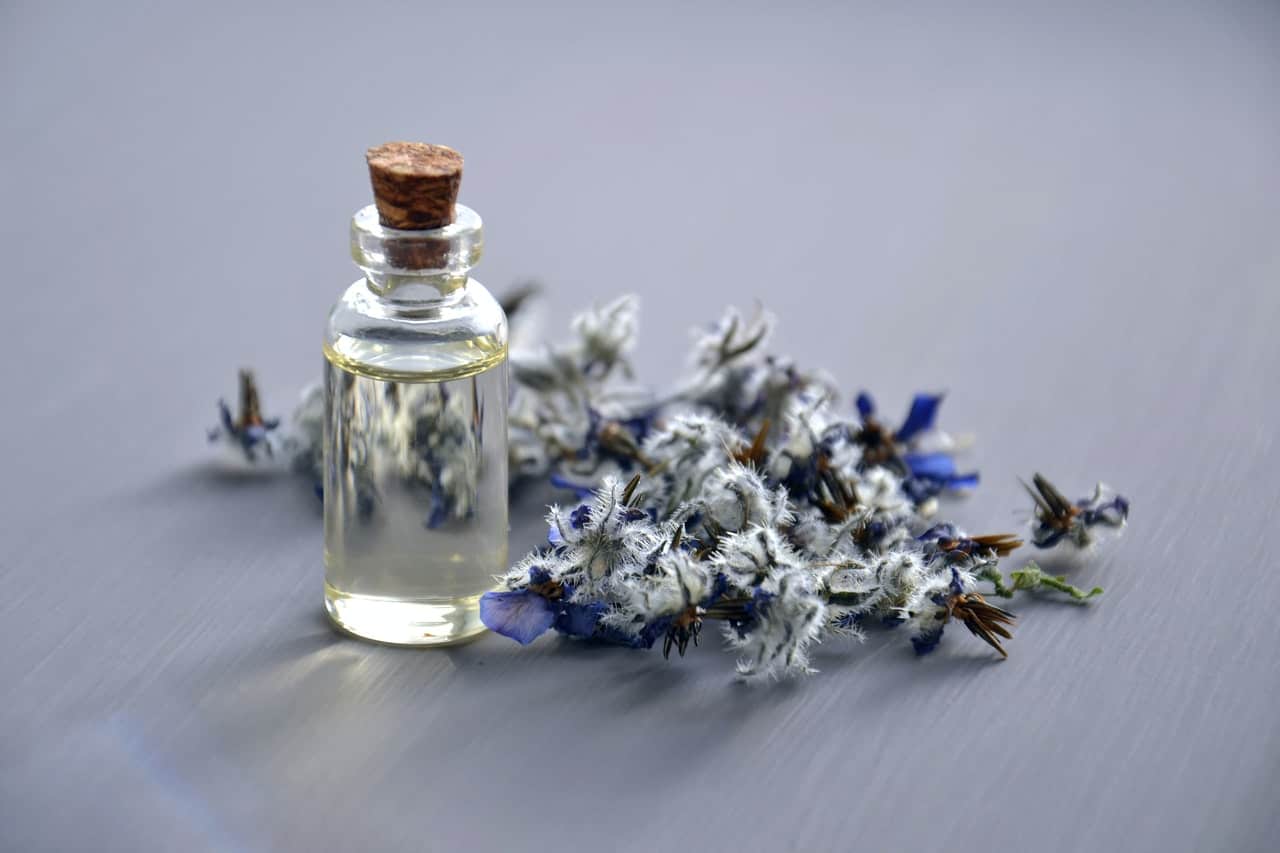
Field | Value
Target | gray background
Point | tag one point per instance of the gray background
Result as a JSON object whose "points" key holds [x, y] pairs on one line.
{"points": [[1066, 216]]}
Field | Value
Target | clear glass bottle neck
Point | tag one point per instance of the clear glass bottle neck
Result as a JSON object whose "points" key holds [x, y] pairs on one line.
{"points": [[416, 267]]}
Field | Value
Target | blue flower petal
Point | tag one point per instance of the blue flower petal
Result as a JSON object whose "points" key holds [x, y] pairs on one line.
{"points": [[924, 409], [1046, 536], [582, 490], [580, 516], [935, 466], [579, 620], [1113, 512], [521, 615], [946, 530], [650, 633], [866, 405], [926, 641], [224, 414], [641, 425]]}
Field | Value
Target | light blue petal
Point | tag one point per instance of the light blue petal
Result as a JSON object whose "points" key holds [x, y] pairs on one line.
{"points": [[521, 615]]}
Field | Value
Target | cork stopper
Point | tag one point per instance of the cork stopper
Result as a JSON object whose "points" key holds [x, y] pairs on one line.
{"points": [[415, 185]]}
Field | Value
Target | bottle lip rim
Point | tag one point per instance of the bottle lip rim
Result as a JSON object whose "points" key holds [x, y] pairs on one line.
{"points": [[465, 221], [452, 250]]}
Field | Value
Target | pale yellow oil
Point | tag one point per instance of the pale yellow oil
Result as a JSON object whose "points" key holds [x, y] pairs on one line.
{"points": [[415, 492]]}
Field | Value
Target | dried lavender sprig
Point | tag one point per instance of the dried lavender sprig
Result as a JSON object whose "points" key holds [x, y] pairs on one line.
{"points": [[252, 435], [1059, 521]]}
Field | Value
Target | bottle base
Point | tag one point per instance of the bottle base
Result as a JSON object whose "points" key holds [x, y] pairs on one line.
{"points": [[404, 621]]}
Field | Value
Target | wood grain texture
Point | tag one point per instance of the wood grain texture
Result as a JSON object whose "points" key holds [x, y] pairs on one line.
{"points": [[1067, 218]]}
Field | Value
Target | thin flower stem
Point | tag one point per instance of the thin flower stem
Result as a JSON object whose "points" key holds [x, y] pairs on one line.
{"points": [[1033, 577], [993, 574]]}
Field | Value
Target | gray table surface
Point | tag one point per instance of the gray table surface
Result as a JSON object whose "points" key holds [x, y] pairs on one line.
{"points": [[1067, 217]]}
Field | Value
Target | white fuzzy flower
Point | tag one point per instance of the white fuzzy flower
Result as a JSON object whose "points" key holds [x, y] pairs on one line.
{"points": [[789, 616], [673, 584], [880, 491], [731, 339], [811, 532], [548, 369], [889, 585], [749, 557], [926, 609], [517, 577], [606, 334], [686, 450], [604, 536], [735, 497], [805, 423]]}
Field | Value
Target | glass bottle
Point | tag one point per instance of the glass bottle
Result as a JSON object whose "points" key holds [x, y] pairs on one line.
{"points": [[415, 469]]}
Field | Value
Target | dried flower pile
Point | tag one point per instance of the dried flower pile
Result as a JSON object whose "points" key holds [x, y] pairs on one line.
{"points": [[747, 496]]}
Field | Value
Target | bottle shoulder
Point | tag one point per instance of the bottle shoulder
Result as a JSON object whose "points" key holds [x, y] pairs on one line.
{"points": [[461, 334]]}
